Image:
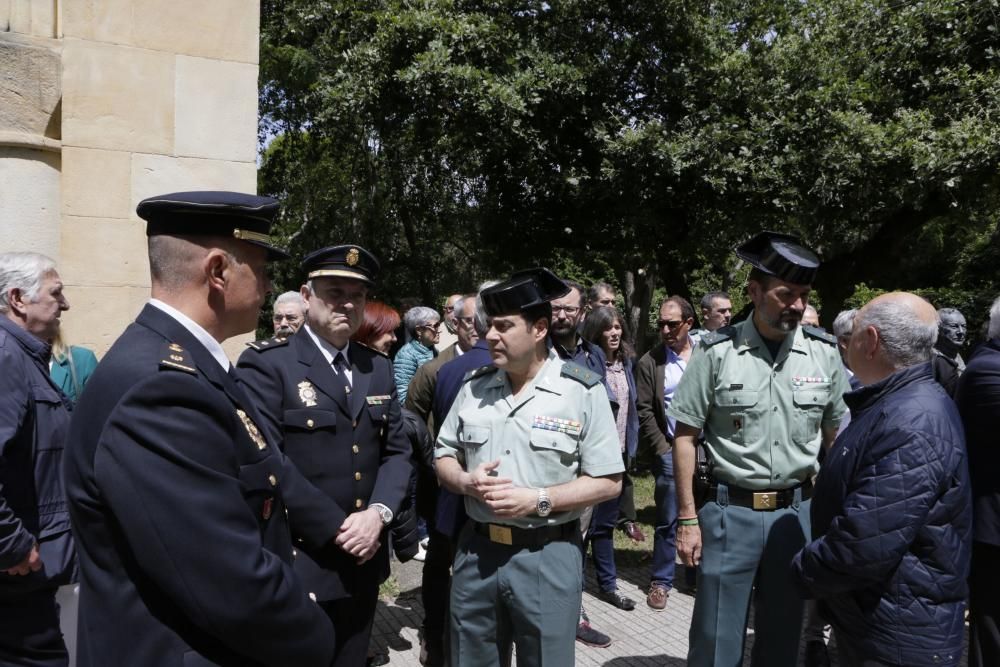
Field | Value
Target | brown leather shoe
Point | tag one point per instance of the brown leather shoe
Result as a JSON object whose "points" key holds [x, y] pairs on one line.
{"points": [[632, 529], [657, 598]]}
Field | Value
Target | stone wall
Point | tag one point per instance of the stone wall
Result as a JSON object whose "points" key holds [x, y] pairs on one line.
{"points": [[157, 96]]}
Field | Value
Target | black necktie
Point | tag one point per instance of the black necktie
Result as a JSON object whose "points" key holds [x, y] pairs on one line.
{"points": [[340, 363]]}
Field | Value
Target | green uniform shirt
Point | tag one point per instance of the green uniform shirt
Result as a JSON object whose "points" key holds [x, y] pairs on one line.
{"points": [[761, 418], [558, 428]]}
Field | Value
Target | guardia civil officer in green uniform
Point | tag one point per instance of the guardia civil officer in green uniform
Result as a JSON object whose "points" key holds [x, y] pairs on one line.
{"points": [[530, 442], [767, 394]]}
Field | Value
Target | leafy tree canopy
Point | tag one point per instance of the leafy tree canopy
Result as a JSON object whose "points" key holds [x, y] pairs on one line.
{"points": [[638, 142]]}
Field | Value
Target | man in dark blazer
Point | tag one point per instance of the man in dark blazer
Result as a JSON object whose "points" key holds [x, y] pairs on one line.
{"points": [[177, 494], [656, 433], [978, 401], [333, 401]]}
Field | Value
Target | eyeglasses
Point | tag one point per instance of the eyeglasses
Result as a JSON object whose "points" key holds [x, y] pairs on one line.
{"points": [[670, 324], [569, 310], [449, 309], [291, 318], [467, 321], [435, 327]]}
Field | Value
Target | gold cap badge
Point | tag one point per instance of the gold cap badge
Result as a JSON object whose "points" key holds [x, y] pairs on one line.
{"points": [[352, 256]]}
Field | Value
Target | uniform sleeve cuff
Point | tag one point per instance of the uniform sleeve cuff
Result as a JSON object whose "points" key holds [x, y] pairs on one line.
{"points": [[685, 418]]}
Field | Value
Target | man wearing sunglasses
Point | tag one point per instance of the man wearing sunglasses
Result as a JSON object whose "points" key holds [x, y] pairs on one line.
{"points": [[767, 393], [657, 375]]}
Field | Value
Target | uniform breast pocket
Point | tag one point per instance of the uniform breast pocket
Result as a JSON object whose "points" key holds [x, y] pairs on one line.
{"points": [[810, 402], [735, 415], [555, 457], [379, 415], [306, 433], [474, 444]]}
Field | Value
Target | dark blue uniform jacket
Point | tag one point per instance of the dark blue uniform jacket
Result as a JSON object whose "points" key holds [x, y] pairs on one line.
{"points": [[34, 420], [978, 402], [350, 446], [891, 514], [178, 506]]}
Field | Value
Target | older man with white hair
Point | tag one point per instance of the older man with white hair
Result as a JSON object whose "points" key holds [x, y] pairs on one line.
{"points": [[36, 549], [978, 400], [891, 510], [289, 313]]}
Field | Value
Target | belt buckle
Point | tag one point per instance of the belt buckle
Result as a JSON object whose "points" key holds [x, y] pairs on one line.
{"points": [[765, 500], [501, 534]]}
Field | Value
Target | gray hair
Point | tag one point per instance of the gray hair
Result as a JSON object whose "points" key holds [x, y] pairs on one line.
{"points": [[994, 330], [419, 316], [843, 322], [482, 320], [706, 301], [907, 340], [23, 271], [291, 297]]}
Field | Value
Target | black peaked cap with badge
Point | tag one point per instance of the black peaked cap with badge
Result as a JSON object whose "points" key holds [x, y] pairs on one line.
{"points": [[523, 290], [213, 213], [342, 261], [781, 255]]}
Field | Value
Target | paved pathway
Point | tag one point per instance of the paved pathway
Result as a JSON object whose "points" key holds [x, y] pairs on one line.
{"points": [[641, 638]]}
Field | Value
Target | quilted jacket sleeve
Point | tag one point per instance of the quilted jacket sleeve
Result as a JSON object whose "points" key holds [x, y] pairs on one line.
{"points": [[886, 502]]}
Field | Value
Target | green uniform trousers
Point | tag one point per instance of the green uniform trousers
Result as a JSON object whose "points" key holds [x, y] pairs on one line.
{"points": [[744, 551], [525, 596]]}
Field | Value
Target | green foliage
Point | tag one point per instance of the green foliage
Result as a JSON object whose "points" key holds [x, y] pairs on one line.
{"points": [[461, 139], [862, 294]]}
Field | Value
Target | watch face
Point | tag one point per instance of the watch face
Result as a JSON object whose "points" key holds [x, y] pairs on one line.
{"points": [[544, 507]]}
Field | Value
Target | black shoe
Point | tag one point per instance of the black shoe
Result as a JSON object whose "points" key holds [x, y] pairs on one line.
{"points": [[816, 654], [590, 636], [616, 599]]}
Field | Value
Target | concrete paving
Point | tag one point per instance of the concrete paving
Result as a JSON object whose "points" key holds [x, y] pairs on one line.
{"points": [[639, 638]]}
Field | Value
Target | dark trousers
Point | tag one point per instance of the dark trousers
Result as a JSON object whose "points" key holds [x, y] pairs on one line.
{"points": [[849, 656], [29, 632], [665, 532], [626, 501], [984, 606], [602, 543], [352, 622], [434, 592]]}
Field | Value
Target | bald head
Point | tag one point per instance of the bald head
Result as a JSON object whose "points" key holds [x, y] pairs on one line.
{"points": [[892, 332]]}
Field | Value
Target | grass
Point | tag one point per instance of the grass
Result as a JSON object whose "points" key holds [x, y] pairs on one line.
{"points": [[627, 552]]}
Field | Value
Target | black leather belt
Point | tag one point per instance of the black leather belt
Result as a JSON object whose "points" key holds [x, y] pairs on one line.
{"points": [[763, 500], [527, 537]]}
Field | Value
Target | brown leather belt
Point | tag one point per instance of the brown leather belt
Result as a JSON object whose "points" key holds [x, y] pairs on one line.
{"points": [[766, 499], [527, 537]]}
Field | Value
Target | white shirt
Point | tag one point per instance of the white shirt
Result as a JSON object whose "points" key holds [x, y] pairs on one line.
{"points": [[213, 346], [329, 352]]}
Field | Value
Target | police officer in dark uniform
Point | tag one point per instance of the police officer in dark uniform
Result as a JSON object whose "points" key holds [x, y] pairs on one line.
{"points": [[177, 494], [334, 403]]}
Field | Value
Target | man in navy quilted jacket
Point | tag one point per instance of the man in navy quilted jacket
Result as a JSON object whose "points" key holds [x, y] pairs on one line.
{"points": [[891, 510]]}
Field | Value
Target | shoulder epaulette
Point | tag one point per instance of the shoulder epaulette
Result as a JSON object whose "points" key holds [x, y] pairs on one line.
{"points": [[268, 343], [176, 358], [711, 338], [381, 354], [586, 377], [479, 372], [819, 334]]}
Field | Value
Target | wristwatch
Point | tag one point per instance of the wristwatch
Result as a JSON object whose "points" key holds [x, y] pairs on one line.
{"points": [[543, 507], [384, 512]]}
